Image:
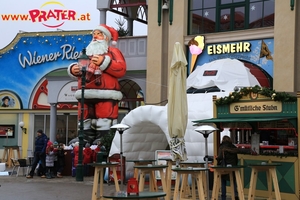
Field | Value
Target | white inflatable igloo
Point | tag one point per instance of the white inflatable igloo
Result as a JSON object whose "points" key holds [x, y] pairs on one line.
{"points": [[149, 125]]}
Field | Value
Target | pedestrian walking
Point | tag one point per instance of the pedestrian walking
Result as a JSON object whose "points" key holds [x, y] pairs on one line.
{"points": [[39, 154]]}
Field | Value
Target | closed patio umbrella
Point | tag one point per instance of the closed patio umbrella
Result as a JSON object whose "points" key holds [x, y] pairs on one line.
{"points": [[177, 104]]}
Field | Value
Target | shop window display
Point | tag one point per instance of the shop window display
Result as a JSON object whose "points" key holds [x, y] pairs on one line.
{"points": [[271, 141]]}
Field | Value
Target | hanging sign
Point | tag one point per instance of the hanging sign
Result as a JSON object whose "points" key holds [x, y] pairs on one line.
{"points": [[256, 107]]}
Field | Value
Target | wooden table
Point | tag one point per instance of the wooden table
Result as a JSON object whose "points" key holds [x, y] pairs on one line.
{"points": [[98, 179], [9, 154], [141, 195], [197, 176], [220, 170], [270, 169], [196, 164], [150, 169], [168, 175], [138, 162]]}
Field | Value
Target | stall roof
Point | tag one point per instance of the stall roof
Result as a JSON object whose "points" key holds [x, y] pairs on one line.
{"points": [[245, 119]]}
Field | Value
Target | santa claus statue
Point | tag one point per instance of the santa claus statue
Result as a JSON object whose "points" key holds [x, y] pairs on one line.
{"points": [[102, 91]]}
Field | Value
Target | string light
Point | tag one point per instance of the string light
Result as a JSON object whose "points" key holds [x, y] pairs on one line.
{"points": [[49, 38]]}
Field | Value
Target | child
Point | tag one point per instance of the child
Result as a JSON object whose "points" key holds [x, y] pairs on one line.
{"points": [[87, 158], [50, 156], [60, 159], [75, 154]]}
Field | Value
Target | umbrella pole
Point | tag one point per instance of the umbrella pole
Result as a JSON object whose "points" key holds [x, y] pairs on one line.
{"points": [[207, 172], [121, 128], [205, 130]]}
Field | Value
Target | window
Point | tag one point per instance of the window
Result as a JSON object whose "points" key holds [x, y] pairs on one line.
{"points": [[232, 18], [66, 126], [209, 16], [132, 95]]}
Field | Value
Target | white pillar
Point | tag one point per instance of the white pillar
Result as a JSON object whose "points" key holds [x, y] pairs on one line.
{"points": [[53, 113], [103, 6]]}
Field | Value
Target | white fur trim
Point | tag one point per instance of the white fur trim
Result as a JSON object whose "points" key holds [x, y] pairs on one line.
{"points": [[86, 124], [103, 124], [105, 63], [114, 43], [69, 71], [99, 94]]}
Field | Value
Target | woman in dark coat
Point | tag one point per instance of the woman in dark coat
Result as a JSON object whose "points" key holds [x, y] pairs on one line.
{"points": [[228, 154]]}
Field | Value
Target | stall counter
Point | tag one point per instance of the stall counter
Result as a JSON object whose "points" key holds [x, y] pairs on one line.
{"points": [[287, 174]]}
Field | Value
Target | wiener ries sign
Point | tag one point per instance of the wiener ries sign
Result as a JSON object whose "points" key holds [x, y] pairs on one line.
{"points": [[65, 51]]}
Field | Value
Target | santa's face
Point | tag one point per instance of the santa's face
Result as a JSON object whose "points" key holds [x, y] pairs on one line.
{"points": [[98, 45], [98, 35]]}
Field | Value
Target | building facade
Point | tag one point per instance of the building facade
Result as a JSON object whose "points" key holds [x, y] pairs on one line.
{"points": [[182, 29], [268, 27]]}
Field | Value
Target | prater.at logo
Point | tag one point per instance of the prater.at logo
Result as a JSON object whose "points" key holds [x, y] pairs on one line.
{"points": [[53, 14]]}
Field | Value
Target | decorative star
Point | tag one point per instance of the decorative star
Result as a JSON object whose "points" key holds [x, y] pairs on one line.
{"points": [[206, 13], [253, 8], [225, 17]]}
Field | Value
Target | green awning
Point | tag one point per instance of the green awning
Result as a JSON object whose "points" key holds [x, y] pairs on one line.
{"points": [[242, 119], [217, 120]]}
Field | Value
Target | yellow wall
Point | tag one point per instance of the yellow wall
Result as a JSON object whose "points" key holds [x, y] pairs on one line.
{"points": [[25, 136], [284, 47], [161, 40]]}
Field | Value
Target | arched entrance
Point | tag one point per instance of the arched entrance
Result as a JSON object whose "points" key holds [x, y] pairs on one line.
{"points": [[133, 96]]}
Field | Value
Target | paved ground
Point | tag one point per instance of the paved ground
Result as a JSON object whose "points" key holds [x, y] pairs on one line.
{"points": [[66, 188], [15, 188]]}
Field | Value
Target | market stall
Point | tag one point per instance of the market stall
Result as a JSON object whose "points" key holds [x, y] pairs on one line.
{"points": [[264, 125]]}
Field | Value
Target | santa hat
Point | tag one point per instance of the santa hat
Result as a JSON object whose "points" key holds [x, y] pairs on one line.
{"points": [[110, 32]]}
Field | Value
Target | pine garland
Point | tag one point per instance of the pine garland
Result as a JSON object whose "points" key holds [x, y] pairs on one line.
{"points": [[272, 94]]}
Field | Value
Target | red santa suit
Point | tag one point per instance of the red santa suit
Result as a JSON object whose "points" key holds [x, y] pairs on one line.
{"points": [[75, 154], [87, 155], [101, 100]]}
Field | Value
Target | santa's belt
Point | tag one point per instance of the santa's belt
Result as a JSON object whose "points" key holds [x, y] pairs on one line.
{"points": [[99, 94]]}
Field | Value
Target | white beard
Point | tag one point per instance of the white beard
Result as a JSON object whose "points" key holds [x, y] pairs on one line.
{"points": [[98, 47]]}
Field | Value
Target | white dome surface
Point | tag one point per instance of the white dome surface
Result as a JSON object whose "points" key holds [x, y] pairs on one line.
{"points": [[149, 124]]}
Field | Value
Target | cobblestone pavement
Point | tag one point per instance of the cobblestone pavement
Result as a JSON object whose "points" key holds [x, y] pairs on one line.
{"points": [[66, 188], [15, 188]]}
